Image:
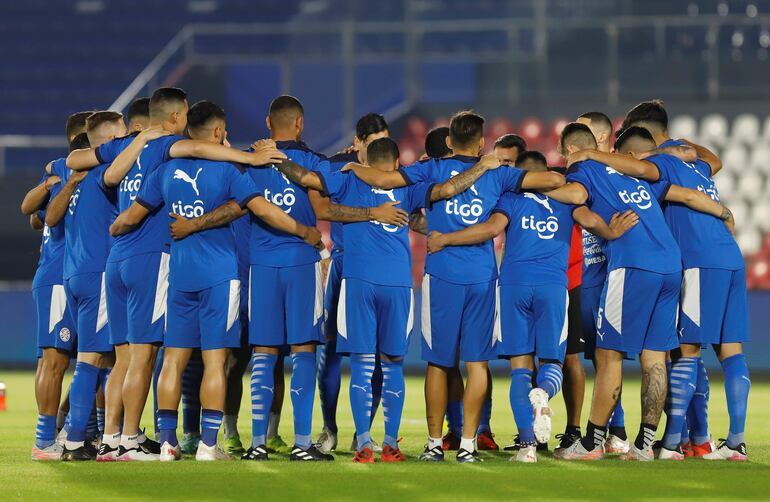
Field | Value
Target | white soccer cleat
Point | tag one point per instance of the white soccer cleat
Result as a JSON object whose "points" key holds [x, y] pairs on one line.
{"points": [[61, 437], [169, 453], [327, 440], [576, 451], [614, 444], [724, 452], [666, 454], [50, 453], [636, 455], [526, 455], [210, 453], [136, 454], [539, 399]]}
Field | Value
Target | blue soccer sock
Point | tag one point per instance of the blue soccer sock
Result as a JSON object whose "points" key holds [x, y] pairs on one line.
{"points": [[262, 389], [376, 388], [486, 416], [167, 423], [549, 378], [302, 390], [393, 391], [737, 386], [155, 377], [361, 370], [211, 421], [454, 417], [191, 389], [521, 384], [618, 418], [329, 379], [681, 386], [45, 433], [82, 397], [698, 413]]}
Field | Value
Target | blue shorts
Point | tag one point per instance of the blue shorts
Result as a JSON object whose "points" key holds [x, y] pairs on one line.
{"points": [[714, 308], [590, 298], [286, 305], [206, 319], [87, 301], [457, 317], [332, 297], [638, 311], [136, 298], [55, 326], [532, 320], [372, 318]]}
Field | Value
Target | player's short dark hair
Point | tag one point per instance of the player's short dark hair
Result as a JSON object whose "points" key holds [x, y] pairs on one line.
{"points": [[576, 134], [598, 118], [647, 114], [511, 141], [140, 107], [371, 123], [284, 110], [162, 99], [532, 156], [630, 133], [382, 150], [79, 142], [203, 112], [101, 117], [435, 142], [465, 128], [76, 123]]}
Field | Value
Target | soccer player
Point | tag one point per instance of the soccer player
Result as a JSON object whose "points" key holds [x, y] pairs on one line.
{"points": [[713, 306], [644, 274], [87, 207], [508, 147], [204, 289], [436, 145], [532, 306], [138, 115]]}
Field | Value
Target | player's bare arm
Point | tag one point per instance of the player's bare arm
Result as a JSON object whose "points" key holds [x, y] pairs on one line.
{"points": [[36, 197], [626, 164], [200, 149], [385, 180], [299, 175], [276, 218], [182, 227], [35, 223], [619, 224], [387, 212], [475, 234], [699, 201], [126, 159], [461, 182], [418, 223], [571, 193], [129, 219], [707, 156], [57, 207]]}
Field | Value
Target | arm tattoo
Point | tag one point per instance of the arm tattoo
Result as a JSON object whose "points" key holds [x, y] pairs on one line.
{"points": [[726, 213], [654, 388], [291, 170], [222, 215], [347, 214], [418, 223], [465, 179]]}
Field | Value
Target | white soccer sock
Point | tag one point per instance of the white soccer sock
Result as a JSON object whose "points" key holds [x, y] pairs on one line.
{"points": [[272, 424], [434, 442], [468, 444], [230, 423], [129, 441], [73, 445], [111, 440]]}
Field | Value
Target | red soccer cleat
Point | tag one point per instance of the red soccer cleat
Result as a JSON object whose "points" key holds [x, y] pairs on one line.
{"points": [[390, 454], [450, 442], [686, 449], [364, 456], [699, 450], [486, 441]]}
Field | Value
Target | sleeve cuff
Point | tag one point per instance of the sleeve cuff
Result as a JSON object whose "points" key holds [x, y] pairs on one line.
{"points": [[246, 200], [664, 192], [98, 155], [146, 204], [519, 183], [428, 203], [501, 211], [406, 177], [325, 191]]}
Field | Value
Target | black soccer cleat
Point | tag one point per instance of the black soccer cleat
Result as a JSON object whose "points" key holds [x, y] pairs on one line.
{"points": [[565, 440], [85, 452], [465, 457], [258, 453], [312, 454], [435, 454], [150, 446]]}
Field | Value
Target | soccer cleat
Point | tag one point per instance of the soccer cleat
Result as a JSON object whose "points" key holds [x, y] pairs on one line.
{"points": [[525, 454], [566, 440], [486, 441], [169, 453], [614, 444], [634, 454], [139, 453], [85, 452], [312, 454], [258, 453], [390, 454], [450, 442], [61, 437], [327, 440], [207, 453], [435, 454], [47, 454], [106, 453], [539, 400], [150, 445], [686, 448], [666, 454], [699, 450], [374, 445], [189, 442], [576, 451], [364, 456], [233, 446], [724, 452], [276, 444], [516, 444], [466, 457]]}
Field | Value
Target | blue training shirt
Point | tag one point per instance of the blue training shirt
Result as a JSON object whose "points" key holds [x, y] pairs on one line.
{"points": [[337, 162], [537, 239], [152, 235], [192, 188], [381, 254], [463, 264], [50, 266], [647, 246]]}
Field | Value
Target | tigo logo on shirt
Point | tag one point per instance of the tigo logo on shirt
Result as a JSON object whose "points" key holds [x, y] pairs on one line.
{"points": [[74, 201], [641, 197]]}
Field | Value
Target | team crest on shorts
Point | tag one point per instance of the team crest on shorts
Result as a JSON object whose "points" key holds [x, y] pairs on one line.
{"points": [[64, 335]]}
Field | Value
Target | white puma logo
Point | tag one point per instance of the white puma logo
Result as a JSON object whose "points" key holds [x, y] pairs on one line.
{"points": [[266, 388], [543, 202], [395, 393], [362, 387], [389, 193], [181, 175], [296, 391]]}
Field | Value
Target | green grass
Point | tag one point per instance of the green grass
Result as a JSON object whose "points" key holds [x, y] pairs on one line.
{"points": [[496, 478]]}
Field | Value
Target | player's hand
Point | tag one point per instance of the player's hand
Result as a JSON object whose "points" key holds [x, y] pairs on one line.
{"points": [[620, 223], [436, 242], [729, 220], [685, 153], [77, 176], [349, 166], [489, 161], [388, 213], [350, 149], [51, 181], [181, 227], [263, 144], [266, 155], [152, 133], [225, 142], [313, 237], [578, 156]]}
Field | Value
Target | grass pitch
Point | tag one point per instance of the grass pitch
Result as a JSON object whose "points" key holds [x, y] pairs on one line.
{"points": [[496, 478]]}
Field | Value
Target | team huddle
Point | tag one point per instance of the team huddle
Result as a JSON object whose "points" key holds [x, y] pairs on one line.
{"points": [[170, 259]]}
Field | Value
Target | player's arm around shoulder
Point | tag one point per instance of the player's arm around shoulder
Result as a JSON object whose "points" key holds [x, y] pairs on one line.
{"points": [[699, 201], [57, 207], [129, 219], [592, 222], [463, 181], [385, 180], [474, 234]]}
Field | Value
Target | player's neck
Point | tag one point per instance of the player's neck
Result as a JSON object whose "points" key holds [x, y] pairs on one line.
{"points": [[284, 136], [466, 152], [162, 123], [660, 137]]}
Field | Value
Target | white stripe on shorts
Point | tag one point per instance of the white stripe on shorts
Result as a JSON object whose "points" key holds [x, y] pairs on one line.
{"points": [[101, 317], [410, 320], [233, 302], [161, 288], [427, 335], [58, 306], [318, 306], [613, 302], [565, 324], [342, 321], [691, 294], [251, 282], [497, 331]]}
